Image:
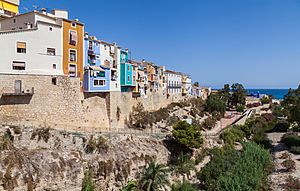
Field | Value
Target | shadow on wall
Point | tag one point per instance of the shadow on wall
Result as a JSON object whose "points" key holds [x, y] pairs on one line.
{"points": [[15, 100], [90, 95]]}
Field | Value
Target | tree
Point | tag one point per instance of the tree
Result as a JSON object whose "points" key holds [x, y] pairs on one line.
{"points": [[183, 165], [238, 94], [291, 104], [187, 135], [155, 177], [224, 93], [215, 104], [184, 186]]}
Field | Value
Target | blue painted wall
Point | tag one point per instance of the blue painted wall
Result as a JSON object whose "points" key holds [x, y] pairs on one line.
{"points": [[92, 58]]}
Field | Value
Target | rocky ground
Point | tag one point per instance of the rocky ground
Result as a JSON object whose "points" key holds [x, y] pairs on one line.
{"points": [[56, 160], [280, 154]]}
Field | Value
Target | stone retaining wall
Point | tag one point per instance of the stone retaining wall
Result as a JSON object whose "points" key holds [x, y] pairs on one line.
{"points": [[63, 105]]}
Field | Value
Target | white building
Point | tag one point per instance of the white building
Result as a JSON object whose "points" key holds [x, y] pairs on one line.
{"points": [[187, 88], [111, 53], [174, 82], [31, 44]]}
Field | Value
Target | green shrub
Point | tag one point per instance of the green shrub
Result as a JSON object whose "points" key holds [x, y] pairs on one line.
{"points": [[184, 186], [232, 135], [240, 108], [187, 135], [231, 170], [291, 139], [295, 150], [99, 145], [41, 133], [281, 127], [215, 104], [87, 183], [289, 165], [292, 184]]}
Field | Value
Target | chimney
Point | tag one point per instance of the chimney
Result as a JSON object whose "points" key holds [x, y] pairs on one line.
{"points": [[44, 10]]}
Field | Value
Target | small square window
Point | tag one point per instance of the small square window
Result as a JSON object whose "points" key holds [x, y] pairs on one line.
{"points": [[21, 47], [54, 81], [16, 65], [54, 66], [51, 51], [50, 28], [73, 24]]}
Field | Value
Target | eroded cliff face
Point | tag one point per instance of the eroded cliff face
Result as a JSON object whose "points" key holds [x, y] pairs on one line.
{"points": [[48, 159]]}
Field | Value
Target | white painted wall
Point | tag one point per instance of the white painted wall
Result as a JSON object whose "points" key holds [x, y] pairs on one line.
{"points": [[20, 21], [174, 79], [36, 58]]}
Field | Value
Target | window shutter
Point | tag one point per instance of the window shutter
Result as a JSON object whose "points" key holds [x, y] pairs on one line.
{"points": [[21, 44]]}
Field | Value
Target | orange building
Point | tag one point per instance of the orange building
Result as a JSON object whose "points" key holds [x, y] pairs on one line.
{"points": [[73, 45]]}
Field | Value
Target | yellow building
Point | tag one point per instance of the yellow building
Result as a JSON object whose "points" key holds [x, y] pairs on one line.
{"points": [[73, 45], [9, 8]]}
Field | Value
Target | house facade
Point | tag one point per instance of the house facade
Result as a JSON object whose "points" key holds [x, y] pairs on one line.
{"points": [[9, 8], [187, 88], [31, 44], [127, 83], [174, 81], [73, 45]]}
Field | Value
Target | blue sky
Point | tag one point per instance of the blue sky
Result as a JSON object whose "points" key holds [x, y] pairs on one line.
{"points": [[254, 42]]}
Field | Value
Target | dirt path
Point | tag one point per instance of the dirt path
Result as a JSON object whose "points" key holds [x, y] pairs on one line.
{"points": [[279, 175]]}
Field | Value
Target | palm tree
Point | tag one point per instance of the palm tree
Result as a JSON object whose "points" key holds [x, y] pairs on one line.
{"points": [[184, 186], [131, 186], [183, 165], [154, 177]]}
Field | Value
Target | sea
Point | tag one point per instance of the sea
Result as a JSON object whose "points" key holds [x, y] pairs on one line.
{"points": [[276, 93]]}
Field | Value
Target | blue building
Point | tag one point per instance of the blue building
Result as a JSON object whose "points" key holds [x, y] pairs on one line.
{"points": [[127, 73], [96, 75]]}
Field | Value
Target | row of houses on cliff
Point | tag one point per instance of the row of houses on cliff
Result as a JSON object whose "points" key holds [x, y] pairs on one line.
{"points": [[44, 43]]}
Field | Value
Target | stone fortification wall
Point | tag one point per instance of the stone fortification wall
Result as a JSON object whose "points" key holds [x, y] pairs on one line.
{"points": [[63, 105]]}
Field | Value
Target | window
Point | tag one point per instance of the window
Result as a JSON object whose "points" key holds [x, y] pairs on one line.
{"points": [[51, 51], [73, 38], [72, 70], [99, 82], [16, 65], [54, 66], [21, 47], [128, 78], [18, 86], [50, 28], [128, 68], [14, 20], [72, 56], [101, 74], [54, 81], [104, 47], [73, 24], [90, 45]]}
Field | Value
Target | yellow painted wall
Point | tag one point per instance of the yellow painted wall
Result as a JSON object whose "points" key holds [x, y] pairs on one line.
{"points": [[9, 6], [78, 47]]}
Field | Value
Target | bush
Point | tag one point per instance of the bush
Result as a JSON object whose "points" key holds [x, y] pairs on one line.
{"points": [[234, 170], [295, 150], [209, 123], [184, 186], [187, 135], [215, 103], [232, 135], [42, 133], [292, 183], [240, 108], [289, 165], [87, 183], [281, 127], [291, 139], [99, 145]]}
